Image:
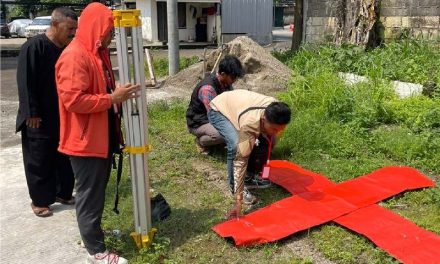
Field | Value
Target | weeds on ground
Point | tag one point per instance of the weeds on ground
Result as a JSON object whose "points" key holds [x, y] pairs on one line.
{"points": [[337, 130], [347, 131], [197, 203], [407, 60]]}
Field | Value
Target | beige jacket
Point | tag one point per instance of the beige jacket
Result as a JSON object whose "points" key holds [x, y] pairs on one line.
{"points": [[244, 110]]}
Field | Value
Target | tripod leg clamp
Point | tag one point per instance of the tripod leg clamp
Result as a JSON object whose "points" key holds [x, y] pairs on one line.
{"points": [[137, 150]]}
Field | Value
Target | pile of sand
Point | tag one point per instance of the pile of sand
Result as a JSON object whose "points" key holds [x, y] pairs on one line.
{"points": [[264, 73]]}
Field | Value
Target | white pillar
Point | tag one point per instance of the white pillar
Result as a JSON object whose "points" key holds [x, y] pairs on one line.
{"points": [[149, 19], [173, 37]]}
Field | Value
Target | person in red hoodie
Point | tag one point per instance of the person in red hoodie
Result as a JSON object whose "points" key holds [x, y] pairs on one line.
{"points": [[88, 128]]}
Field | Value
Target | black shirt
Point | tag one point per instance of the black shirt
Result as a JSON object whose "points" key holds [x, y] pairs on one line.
{"points": [[112, 134], [36, 86]]}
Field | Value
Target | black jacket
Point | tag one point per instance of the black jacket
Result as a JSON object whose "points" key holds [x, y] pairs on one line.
{"points": [[196, 115], [36, 86]]}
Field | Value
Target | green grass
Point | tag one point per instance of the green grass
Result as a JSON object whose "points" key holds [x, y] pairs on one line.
{"points": [[346, 131], [197, 204], [407, 60], [337, 130], [161, 65]]}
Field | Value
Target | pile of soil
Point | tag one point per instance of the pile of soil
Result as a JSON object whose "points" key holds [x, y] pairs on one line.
{"points": [[264, 73]]}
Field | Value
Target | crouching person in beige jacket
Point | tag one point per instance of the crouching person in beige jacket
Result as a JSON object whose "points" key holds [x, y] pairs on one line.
{"points": [[241, 116]]}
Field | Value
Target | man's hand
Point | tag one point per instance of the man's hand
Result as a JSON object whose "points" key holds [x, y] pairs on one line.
{"points": [[33, 122], [235, 211], [124, 92]]}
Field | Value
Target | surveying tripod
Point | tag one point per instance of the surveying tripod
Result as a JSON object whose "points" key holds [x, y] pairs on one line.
{"points": [[131, 70]]}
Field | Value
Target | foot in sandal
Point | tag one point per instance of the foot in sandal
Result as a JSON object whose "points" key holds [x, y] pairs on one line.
{"points": [[41, 211]]}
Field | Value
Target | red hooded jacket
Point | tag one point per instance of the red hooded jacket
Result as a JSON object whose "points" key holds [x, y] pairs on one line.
{"points": [[82, 89]]}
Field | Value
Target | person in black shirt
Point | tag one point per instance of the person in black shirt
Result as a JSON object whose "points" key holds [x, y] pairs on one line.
{"points": [[230, 68], [49, 174]]}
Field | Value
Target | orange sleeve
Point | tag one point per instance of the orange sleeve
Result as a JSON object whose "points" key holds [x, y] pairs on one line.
{"points": [[74, 85]]}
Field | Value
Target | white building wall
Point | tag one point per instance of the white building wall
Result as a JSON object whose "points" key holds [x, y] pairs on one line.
{"points": [[149, 19], [190, 30], [211, 25]]}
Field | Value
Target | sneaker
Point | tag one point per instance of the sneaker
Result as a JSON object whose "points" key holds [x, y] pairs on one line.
{"points": [[256, 183], [105, 258], [249, 198], [248, 178], [200, 149]]}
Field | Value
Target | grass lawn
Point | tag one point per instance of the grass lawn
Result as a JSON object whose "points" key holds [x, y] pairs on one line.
{"points": [[337, 130]]}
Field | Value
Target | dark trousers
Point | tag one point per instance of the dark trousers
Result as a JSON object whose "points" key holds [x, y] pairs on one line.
{"points": [[92, 175], [48, 172]]}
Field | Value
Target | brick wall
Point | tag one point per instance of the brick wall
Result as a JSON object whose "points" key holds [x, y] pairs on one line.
{"points": [[410, 8], [320, 20], [418, 18]]}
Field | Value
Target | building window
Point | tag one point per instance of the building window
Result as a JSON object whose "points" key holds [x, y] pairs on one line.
{"points": [[181, 14]]}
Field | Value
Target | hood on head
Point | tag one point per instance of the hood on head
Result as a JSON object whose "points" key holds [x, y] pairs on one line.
{"points": [[95, 23]]}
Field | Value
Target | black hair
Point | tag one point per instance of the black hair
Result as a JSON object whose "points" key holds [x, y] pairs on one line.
{"points": [[231, 65], [278, 113], [61, 13]]}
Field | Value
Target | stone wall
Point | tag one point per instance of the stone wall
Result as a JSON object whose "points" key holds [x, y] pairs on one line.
{"points": [[320, 29], [320, 20], [416, 18]]}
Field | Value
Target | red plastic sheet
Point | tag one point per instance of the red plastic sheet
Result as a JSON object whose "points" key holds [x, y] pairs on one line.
{"points": [[394, 234], [350, 204], [399, 237]]}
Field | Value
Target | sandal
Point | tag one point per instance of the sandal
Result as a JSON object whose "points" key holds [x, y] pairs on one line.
{"points": [[41, 211], [71, 201]]}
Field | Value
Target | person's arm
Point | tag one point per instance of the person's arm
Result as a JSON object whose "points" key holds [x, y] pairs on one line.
{"points": [[27, 76], [206, 94], [73, 86], [246, 142]]}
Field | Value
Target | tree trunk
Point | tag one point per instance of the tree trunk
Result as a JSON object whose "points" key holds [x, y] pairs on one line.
{"points": [[298, 25], [356, 19]]}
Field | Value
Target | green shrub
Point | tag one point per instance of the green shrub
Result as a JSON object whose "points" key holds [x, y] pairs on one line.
{"points": [[407, 60], [417, 113], [335, 121]]}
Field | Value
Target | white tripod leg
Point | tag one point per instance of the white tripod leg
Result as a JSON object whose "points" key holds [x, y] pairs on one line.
{"points": [[135, 121]]}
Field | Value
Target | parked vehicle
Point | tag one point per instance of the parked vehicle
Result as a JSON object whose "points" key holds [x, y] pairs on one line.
{"points": [[17, 27], [38, 26], [17, 17], [4, 28]]}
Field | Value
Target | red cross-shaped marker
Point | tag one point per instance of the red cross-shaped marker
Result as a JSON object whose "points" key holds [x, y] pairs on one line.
{"points": [[351, 204]]}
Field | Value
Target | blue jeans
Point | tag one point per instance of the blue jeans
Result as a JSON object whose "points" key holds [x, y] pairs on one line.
{"points": [[230, 135]]}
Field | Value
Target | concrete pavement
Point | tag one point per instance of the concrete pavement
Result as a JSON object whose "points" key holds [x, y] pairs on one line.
{"points": [[25, 238]]}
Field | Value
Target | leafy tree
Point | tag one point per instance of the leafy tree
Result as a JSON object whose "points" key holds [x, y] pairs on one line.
{"points": [[31, 8]]}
